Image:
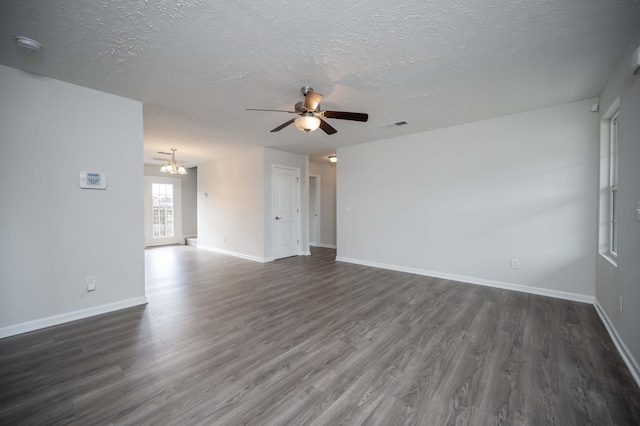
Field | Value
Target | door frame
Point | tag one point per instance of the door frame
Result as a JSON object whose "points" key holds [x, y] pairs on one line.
{"points": [[318, 180], [297, 187], [177, 238]]}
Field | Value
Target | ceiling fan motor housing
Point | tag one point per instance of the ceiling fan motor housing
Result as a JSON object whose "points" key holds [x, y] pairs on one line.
{"points": [[300, 108]]}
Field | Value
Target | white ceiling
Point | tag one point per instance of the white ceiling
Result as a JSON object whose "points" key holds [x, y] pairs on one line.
{"points": [[196, 65]]}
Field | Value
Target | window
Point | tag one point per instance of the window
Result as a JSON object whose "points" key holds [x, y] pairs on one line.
{"points": [[613, 186], [609, 199], [162, 210]]}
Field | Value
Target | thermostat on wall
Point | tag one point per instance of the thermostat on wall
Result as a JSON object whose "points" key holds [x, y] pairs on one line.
{"points": [[93, 180]]}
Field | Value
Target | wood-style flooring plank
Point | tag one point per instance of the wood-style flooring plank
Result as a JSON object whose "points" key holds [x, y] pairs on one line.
{"points": [[310, 341]]}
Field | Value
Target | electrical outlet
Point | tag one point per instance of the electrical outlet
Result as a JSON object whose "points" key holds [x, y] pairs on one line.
{"points": [[91, 282], [515, 263], [376, 247], [225, 239], [620, 304]]}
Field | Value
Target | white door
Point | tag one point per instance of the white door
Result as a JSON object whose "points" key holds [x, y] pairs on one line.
{"points": [[286, 212], [162, 211], [314, 210]]}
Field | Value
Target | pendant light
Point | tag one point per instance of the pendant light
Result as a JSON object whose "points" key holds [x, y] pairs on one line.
{"points": [[173, 166]]}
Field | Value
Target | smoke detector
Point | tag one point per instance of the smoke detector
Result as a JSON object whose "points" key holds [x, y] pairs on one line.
{"points": [[28, 44]]}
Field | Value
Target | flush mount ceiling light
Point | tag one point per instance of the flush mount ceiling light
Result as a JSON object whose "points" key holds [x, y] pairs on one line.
{"points": [[173, 166], [307, 122], [333, 158], [28, 44]]}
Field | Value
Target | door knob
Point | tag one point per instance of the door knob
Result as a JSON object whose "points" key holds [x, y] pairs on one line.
{"points": [[278, 218]]}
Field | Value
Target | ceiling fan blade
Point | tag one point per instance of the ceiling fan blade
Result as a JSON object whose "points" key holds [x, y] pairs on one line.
{"points": [[343, 115], [273, 110], [327, 127], [311, 100], [282, 126]]}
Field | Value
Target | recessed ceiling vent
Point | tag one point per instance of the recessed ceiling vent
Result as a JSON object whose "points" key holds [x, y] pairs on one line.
{"points": [[394, 124], [160, 158]]}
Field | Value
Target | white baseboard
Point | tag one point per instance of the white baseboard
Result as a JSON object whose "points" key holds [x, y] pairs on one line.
{"points": [[38, 324], [625, 353], [472, 280], [234, 254], [305, 253], [331, 246]]}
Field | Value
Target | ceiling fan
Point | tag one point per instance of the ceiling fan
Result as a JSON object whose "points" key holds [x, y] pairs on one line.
{"points": [[311, 116]]}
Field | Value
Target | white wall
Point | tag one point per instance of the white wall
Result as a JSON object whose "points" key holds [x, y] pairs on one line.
{"points": [[327, 173], [231, 214], [624, 280], [190, 203], [188, 185], [238, 206], [460, 202], [273, 157], [314, 209], [52, 233]]}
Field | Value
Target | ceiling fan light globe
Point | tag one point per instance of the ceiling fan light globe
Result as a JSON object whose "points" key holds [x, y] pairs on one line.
{"points": [[182, 170], [307, 123]]}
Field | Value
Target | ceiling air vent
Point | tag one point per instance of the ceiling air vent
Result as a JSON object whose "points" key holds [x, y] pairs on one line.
{"points": [[394, 124], [160, 158]]}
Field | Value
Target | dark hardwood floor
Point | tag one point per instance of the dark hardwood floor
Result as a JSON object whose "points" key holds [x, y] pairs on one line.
{"points": [[308, 341]]}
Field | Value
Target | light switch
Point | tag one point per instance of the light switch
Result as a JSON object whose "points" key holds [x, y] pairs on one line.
{"points": [[91, 282]]}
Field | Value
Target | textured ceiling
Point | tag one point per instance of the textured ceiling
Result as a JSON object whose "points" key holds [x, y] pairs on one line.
{"points": [[196, 65]]}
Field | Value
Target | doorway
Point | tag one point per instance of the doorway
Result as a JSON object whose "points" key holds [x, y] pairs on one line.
{"points": [[314, 210], [286, 211], [162, 211]]}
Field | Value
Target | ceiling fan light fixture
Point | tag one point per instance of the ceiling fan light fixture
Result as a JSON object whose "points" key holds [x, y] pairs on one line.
{"points": [[309, 114], [307, 122], [333, 158]]}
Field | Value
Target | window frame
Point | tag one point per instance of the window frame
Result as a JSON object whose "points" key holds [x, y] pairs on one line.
{"points": [[609, 195], [613, 199]]}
